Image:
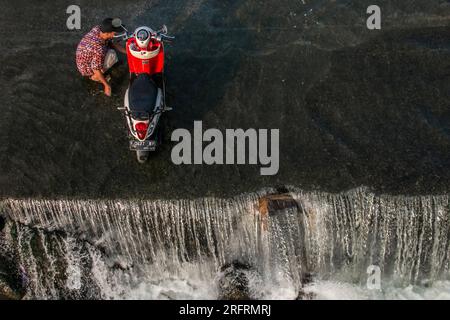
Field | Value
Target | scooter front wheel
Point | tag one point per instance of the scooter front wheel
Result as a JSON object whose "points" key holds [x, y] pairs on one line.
{"points": [[142, 156]]}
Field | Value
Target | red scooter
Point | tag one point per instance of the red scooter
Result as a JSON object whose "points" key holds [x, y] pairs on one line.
{"points": [[145, 98]]}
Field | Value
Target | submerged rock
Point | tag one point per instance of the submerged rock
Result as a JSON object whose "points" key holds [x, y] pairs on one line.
{"points": [[7, 293], [11, 286], [272, 204], [240, 281], [234, 281], [303, 295]]}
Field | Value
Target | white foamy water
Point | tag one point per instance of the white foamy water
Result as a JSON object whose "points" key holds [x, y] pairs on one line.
{"points": [[331, 290]]}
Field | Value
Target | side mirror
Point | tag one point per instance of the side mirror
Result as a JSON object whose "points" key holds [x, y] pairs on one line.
{"points": [[164, 29]]}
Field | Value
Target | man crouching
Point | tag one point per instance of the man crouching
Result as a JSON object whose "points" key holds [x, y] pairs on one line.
{"points": [[94, 54]]}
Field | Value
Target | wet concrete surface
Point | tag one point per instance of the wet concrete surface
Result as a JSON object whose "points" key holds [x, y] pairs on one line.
{"points": [[354, 107]]}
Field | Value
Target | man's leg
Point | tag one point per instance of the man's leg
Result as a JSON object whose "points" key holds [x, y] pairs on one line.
{"points": [[110, 60], [99, 77], [95, 77]]}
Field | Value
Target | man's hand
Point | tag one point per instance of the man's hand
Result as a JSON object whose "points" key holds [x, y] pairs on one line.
{"points": [[108, 90]]}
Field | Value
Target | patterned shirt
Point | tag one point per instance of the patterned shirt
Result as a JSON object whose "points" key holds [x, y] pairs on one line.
{"points": [[91, 52]]}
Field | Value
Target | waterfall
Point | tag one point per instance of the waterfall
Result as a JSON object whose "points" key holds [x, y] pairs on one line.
{"points": [[114, 249], [407, 237]]}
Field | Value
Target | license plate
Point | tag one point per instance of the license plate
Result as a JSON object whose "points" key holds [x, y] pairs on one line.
{"points": [[147, 145]]}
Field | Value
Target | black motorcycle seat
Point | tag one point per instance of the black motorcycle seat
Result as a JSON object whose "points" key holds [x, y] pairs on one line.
{"points": [[142, 94]]}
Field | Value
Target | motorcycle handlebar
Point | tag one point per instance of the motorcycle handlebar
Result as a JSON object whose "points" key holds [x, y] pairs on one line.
{"points": [[157, 36], [169, 38]]}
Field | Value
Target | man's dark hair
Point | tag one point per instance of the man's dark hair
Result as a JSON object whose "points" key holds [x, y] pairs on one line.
{"points": [[111, 25]]}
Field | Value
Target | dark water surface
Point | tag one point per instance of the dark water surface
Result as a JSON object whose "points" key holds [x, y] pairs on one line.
{"points": [[353, 107]]}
